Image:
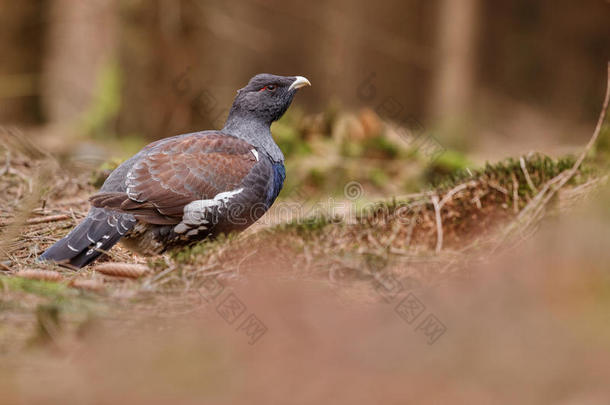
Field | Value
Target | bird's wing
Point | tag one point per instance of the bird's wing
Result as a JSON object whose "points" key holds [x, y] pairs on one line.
{"points": [[170, 175]]}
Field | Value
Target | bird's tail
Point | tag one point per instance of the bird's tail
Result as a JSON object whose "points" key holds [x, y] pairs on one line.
{"points": [[98, 232]]}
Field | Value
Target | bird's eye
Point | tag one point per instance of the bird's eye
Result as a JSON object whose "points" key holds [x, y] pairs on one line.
{"points": [[270, 87]]}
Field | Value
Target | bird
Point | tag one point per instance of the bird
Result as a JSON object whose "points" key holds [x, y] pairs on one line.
{"points": [[184, 189]]}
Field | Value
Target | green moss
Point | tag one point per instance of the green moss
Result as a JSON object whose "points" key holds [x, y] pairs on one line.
{"points": [[189, 254], [55, 294], [450, 163], [303, 228], [307, 226], [47, 289], [540, 168]]}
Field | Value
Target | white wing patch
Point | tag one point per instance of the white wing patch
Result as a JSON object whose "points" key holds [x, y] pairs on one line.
{"points": [[129, 190], [255, 153], [196, 212]]}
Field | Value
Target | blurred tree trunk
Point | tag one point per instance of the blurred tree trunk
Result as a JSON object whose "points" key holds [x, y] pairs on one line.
{"points": [[81, 41], [340, 49], [454, 85], [163, 50], [22, 27]]}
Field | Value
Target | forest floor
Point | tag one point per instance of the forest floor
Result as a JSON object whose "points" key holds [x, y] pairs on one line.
{"points": [[310, 261]]}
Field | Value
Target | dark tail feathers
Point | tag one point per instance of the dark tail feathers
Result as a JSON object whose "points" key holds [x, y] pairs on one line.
{"points": [[98, 232]]}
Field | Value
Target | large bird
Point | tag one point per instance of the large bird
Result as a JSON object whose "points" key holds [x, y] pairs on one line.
{"points": [[183, 189]]}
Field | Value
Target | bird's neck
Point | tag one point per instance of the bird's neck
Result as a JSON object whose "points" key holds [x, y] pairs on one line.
{"points": [[255, 131]]}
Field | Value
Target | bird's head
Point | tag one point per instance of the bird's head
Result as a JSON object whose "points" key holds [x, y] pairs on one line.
{"points": [[267, 96]]}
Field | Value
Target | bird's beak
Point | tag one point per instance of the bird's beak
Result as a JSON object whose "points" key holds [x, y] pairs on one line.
{"points": [[299, 82]]}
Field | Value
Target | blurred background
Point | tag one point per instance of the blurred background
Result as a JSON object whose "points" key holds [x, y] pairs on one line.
{"points": [[521, 74], [404, 94]]}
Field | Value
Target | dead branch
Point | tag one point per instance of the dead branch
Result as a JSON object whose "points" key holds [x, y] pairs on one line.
{"points": [[49, 218], [412, 225], [497, 187], [528, 179], [449, 195], [438, 206], [535, 207], [439, 224]]}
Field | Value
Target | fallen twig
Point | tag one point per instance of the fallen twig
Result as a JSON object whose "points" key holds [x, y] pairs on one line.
{"points": [[534, 208], [39, 220], [528, 179], [438, 205], [497, 187], [439, 224], [49, 218]]}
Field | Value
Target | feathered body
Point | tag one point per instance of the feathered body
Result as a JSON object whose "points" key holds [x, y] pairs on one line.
{"points": [[187, 188]]}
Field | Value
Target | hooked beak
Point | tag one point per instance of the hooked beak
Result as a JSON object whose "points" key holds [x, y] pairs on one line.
{"points": [[299, 82]]}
